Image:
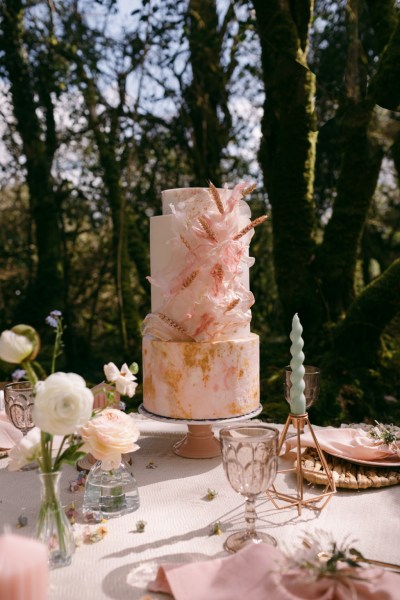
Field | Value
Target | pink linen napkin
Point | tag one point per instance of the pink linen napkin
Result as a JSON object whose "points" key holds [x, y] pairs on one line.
{"points": [[257, 573], [346, 443], [9, 435]]}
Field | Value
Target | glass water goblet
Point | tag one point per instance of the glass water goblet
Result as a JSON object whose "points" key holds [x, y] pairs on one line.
{"points": [[18, 401], [250, 460], [312, 378]]}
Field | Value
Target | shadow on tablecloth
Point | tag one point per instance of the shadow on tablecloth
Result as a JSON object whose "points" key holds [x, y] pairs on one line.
{"points": [[130, 581]]}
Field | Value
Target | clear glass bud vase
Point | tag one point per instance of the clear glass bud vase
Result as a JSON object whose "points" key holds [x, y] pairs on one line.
{"points": [[110, 493], [53, 527]]}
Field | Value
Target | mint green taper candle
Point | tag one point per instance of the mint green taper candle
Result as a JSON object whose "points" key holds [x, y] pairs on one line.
{"points": [[297, 397]]}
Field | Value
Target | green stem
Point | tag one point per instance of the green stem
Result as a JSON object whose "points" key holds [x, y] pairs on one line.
{"points": [[57, 344], [56, 465], [53, 361], [40, 464], [46, 454], [26, 365], [51, 504]]}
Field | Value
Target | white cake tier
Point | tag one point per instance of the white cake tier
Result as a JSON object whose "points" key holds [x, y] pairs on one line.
{"points": [[201, 380], [201, 197], [163, 256]]}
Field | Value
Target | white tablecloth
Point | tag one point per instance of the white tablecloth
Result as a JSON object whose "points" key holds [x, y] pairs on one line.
{"points": [[179, 519]]}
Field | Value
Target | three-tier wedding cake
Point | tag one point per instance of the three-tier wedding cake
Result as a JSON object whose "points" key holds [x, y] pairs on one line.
{"points": [[200, 360]]}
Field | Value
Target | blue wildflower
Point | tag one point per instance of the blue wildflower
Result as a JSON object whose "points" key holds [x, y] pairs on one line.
{"points": [[51, 321], [18, 374], [56, 313]]}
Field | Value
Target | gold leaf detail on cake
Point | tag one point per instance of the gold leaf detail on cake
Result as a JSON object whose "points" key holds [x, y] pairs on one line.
{"points": [[250, 226], [190, 278], [249, 189], [232, 305], [216, 197], [172, 323], [207, 229], [184, 241], [218, 272]]}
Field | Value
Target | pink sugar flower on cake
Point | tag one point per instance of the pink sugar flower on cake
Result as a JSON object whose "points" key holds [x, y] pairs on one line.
{"points": [[204, 286]]}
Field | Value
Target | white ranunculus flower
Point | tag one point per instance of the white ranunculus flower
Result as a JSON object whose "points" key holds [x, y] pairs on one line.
{"points": [[26, 451], [14, 348], [124, 379], [62, 403]]}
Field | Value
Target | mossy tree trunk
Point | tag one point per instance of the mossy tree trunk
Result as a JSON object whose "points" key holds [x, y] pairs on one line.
{"points": [[38, 144], [359, 334], [317, 279], [361, 162], [287, 153], [357, 339]]}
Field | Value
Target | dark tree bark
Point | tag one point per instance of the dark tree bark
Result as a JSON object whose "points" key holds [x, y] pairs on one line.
{"points": [[361, 161], [287, 153], [382, 19], [206, 110], [357, 339], [38, 144], [317, 279], [395, 151], [384, 88]]}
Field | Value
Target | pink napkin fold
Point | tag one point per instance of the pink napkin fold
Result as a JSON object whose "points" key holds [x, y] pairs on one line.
{"points": [[347, 443], [257, 573], [9, 435]]}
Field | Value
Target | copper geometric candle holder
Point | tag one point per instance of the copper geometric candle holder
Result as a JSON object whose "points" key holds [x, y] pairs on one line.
{"points": [[316, 502]]}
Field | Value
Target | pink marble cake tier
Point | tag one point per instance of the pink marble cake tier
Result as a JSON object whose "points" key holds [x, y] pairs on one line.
{"points": [[201, 380]]}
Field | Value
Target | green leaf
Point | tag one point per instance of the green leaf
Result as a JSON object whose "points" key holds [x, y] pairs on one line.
{"points": [[73, 459]]}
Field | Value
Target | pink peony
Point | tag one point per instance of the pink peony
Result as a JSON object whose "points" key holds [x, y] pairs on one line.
{"points": [[109, 435]]}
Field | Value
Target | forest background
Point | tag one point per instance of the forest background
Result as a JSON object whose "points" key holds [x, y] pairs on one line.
{"points": [[104, 103]]}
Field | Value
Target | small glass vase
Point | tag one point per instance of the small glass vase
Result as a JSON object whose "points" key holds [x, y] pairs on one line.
{"points": [[53, 526], [109, 493]]}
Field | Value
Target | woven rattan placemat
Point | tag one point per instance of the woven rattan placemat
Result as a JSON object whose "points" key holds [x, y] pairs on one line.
{"points": [[347, 474]]}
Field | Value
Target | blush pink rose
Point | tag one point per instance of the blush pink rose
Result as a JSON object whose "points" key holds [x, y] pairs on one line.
{"points": [[109, 435]]}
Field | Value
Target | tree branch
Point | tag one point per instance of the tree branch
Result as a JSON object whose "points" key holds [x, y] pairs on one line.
{"points": [[384, 88], [358, 337]]}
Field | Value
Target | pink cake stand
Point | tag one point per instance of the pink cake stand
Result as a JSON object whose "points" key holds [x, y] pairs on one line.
{"points": [[199, 442]]}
